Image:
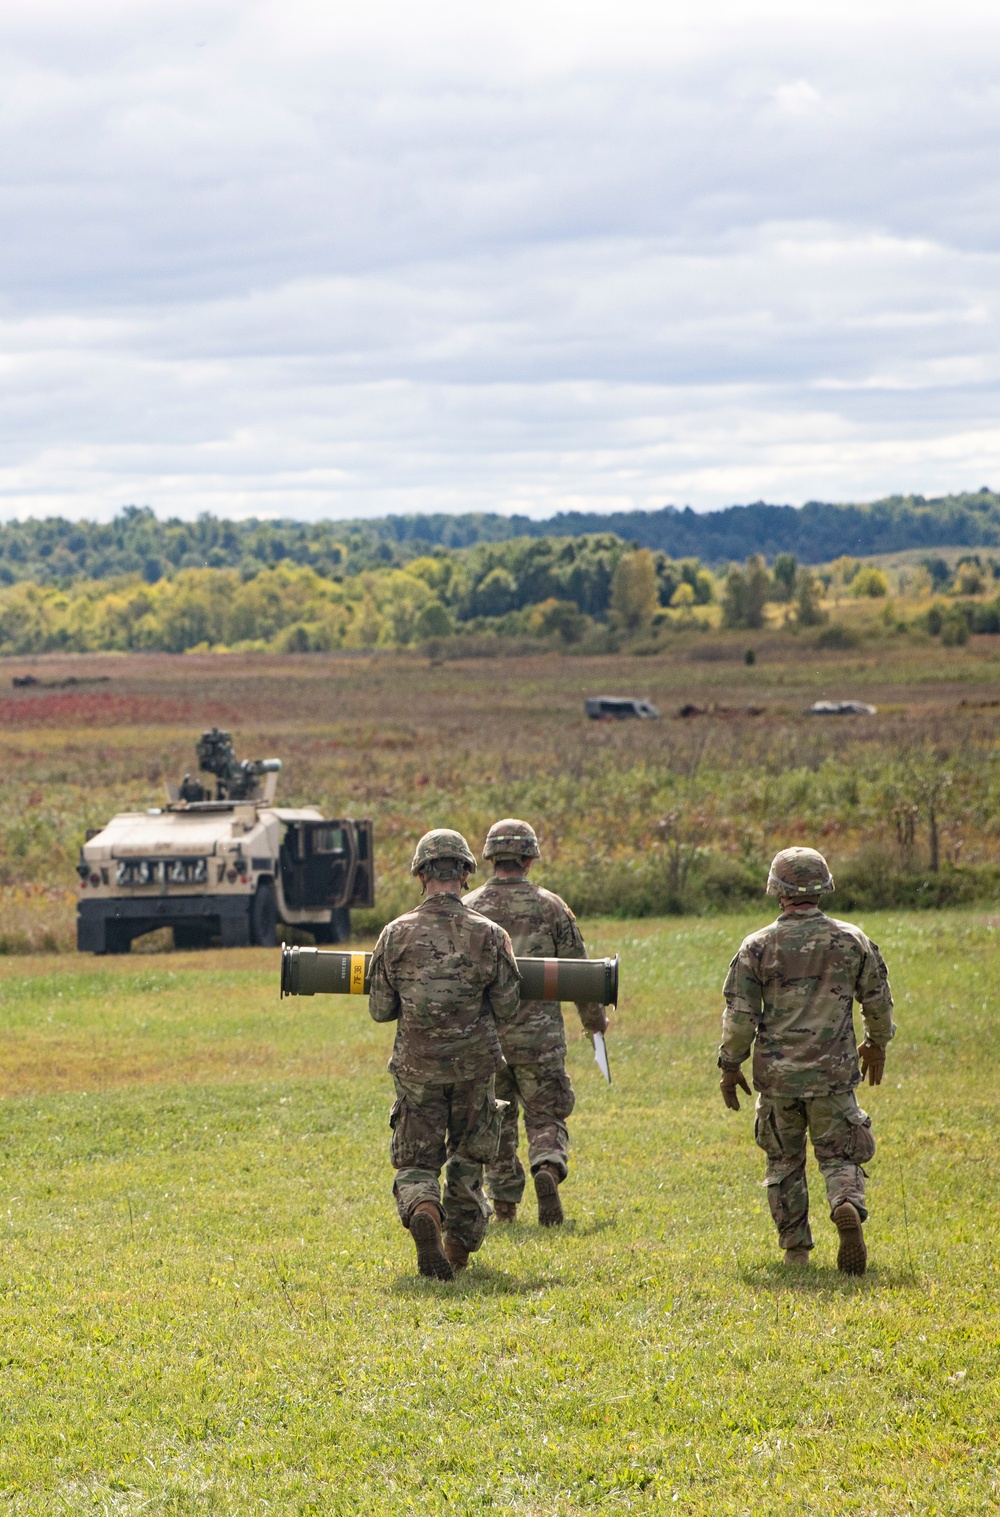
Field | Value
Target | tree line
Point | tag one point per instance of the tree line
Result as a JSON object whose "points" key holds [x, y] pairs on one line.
{"points": [[56, 551], [555, 589], [592, 592]]}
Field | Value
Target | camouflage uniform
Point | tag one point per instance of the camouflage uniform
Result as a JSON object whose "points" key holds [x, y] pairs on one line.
{"points": [[541, 925], [448, 976], [789, 995]]}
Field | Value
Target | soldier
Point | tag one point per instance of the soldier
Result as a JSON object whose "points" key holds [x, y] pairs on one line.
{"points": [[448, 976], [790, 992], [541, 925]]}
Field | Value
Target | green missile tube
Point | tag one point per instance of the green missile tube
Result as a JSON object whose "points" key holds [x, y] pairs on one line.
{"points": [[335, 971]]}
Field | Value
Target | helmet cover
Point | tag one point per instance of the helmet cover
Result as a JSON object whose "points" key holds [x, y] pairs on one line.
{"points": [[511, 839], [442, 843], [799, 871]]}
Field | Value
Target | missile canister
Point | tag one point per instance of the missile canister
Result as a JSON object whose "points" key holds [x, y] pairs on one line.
{"points": [[330, 971]]}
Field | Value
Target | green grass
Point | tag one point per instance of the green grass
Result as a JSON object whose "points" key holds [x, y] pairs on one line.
{"points": [[208, 1305]]}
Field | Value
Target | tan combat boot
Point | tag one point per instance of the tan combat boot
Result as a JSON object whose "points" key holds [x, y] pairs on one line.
{"points": [[505, 1211], [796, 1256], [852, 1256], [550, 1212], [456, 1253], [425, 1230]]}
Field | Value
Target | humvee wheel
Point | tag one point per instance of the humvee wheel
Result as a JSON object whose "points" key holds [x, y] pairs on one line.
{"points": [[264, 916]]}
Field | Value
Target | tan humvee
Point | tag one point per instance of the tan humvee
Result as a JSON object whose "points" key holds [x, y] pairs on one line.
{"points": [[231, 866]]}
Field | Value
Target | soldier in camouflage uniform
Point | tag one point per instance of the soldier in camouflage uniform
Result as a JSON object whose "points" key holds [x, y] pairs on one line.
{"points": [[448, 976], [789, 994], [541, 925]]}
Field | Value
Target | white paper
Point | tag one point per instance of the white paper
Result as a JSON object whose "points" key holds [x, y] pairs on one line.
{"points": [[601, 1056]]}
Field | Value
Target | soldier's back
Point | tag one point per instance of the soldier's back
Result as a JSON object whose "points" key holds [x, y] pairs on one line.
{"points": [[809, 968], [541, 925], [538, 920], [440, 959]]}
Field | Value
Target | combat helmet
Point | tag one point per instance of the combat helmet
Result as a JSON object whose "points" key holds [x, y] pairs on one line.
{"points": [[799, 871], [511, 839], [442, 843]]}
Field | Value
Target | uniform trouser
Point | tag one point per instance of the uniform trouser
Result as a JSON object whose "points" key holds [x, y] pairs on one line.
{"points": [[544, 1093], [452, 1127], [842, 1141]]}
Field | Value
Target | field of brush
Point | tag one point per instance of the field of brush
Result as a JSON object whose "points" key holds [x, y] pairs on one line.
{"points": [[208, 1306], [637, 818]]}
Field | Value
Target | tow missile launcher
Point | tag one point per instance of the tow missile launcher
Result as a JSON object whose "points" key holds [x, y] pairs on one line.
{"points": [[228, 866], [312, 971]]}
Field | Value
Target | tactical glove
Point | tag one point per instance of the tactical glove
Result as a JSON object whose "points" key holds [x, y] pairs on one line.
{"points": [[731, 1078], [872, 1062], [594, 1018]]}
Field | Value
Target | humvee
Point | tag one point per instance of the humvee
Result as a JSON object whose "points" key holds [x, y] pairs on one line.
{"points": [[228, 866]]}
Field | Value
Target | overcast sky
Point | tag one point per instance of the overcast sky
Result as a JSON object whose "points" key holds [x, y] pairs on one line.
{"points": [[311, 259]]}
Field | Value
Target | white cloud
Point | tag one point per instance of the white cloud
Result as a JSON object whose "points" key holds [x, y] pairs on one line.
{"points": [[798, 99], [305, 260]]}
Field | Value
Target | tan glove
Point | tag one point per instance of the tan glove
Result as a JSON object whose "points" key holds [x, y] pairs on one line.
{"points": [[731, 1078], [872, 1062]]}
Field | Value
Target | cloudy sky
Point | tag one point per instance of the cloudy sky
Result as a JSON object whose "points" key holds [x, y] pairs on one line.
{"points": [[319, 259]]}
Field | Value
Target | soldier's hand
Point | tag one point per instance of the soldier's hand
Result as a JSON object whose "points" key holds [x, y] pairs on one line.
{"points": [[731, 1079], [872, 1062]]}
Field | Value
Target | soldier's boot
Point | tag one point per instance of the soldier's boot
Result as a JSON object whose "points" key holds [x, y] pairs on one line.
{"points": [[425, 1230], [456, 1253], [852, 1256], [796, 1256], [550, 1212], [505, 1211]]}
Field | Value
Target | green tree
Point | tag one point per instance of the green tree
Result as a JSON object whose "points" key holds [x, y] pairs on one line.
{"points": [[785, 571], [634, 596], [496, 594], [808, 590], [746, 594], [433, 621]]}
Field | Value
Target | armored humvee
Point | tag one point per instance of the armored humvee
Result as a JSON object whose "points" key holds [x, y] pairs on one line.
{"points": [[228, 865]]}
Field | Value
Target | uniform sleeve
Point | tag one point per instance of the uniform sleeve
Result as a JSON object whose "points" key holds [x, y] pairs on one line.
{"points": [[383, 998], [872, 990], [570, 945], [504, 991], [741, 1017]]}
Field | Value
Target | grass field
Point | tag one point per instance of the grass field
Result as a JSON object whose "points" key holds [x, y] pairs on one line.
{"points": [[208, 1306]]}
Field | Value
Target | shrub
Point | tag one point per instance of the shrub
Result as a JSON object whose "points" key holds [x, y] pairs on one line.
{"points": [[837, 636], [869, 581], [954, 629]]}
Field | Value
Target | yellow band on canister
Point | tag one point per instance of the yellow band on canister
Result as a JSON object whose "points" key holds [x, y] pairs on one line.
{"points": [[357, 974]]}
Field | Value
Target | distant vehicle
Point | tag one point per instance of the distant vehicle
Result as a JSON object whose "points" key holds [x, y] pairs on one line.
{"points": [[841, 708], [229, 866], [615, 708]]}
